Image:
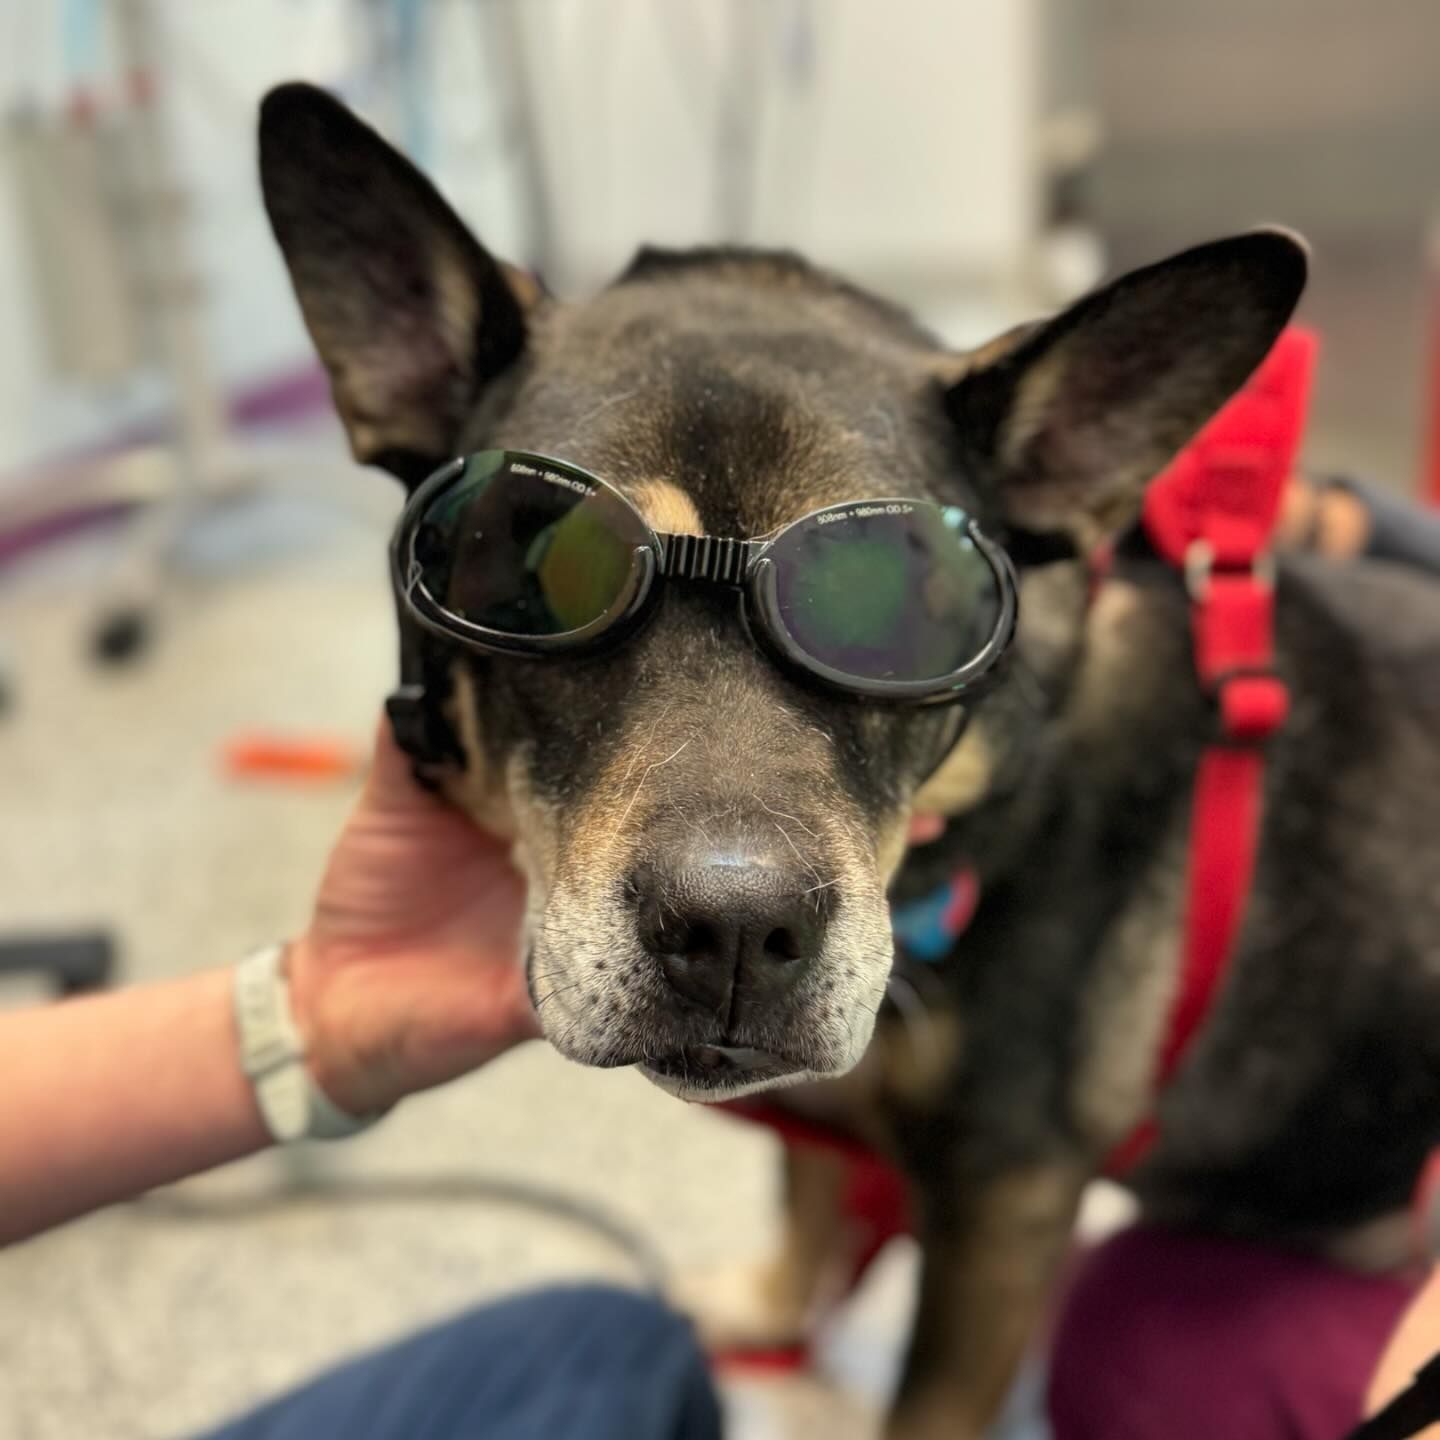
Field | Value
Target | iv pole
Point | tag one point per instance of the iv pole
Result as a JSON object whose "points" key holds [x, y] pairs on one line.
{"points": [[200, 468]]}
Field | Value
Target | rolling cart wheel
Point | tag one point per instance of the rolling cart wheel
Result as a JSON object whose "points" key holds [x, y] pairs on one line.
{"points": [[122, 636]]}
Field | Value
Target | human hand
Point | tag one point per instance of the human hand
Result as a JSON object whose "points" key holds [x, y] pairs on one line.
{"points": [[411, 971], [1329, 520]]}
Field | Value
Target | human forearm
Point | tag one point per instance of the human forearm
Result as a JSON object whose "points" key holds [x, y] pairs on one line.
{"points": [[105, 1097], [407, 976]]}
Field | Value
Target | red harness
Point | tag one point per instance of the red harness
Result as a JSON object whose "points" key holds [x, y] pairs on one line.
{"points": [[1211, 513]]}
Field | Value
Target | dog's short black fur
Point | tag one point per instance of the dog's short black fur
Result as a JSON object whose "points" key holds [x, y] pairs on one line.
{"points": [[730, 391]]}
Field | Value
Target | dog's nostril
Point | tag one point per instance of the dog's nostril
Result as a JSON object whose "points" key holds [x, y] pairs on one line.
{"points": [[693, 938], [701, 939], [783, 944], [667, 935]]}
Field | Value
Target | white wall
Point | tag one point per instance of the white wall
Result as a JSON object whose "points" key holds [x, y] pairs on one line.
{"points": [[891, 141], [890, 136]]}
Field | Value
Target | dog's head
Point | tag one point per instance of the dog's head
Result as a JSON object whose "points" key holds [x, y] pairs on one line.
{"points": [[709, 842]]}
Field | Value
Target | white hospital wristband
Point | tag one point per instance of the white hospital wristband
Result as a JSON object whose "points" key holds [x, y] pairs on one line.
{"points": [[293, 1106]]}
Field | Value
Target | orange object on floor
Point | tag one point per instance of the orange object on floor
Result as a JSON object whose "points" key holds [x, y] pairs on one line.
{"points": [[292, 758]]}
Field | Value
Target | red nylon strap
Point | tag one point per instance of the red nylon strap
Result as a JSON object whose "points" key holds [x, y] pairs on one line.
{"points": [[1213, 512], [1224, 829]]}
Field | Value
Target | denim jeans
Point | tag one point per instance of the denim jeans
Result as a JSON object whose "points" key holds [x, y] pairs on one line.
{"points": [[581, 1363]]}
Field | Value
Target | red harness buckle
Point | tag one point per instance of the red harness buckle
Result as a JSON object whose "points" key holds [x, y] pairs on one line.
{"points": [[1232, 623]]}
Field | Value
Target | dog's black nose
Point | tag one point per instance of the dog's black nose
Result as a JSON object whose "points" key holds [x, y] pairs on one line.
{"points": [[715, 923]]}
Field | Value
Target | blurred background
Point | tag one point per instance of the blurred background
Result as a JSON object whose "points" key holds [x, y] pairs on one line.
{"points": [[190, 567]]}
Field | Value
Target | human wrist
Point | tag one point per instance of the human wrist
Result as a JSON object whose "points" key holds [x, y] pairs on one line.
{"points": [[381, 1021], [295, 1088], [301, 971], [349, 1023]]}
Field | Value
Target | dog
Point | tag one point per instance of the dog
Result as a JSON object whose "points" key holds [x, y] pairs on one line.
{"points": [[729, 391]]}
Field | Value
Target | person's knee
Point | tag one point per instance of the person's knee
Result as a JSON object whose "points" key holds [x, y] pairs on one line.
{"points": [[588, 1322], [589, 1305]]}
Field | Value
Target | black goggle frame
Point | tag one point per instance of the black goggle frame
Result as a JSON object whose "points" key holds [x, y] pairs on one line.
{"points": [[743, 565]]}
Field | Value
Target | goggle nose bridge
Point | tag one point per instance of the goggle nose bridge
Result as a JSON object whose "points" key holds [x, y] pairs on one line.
{"points": [[717, 558]]}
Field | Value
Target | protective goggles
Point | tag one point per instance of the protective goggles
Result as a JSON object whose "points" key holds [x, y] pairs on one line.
{"points": [[516, 554]]}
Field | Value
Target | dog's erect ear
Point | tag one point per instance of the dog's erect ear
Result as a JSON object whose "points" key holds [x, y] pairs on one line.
{"points": [[410, 315], [1071, 420]]}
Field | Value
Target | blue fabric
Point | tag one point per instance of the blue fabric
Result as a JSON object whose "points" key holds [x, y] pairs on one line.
{"points": [[1400, 530], [581, 1363], [922, 927]]}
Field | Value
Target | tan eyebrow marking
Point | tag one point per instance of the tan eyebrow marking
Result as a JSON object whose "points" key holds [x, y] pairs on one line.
{"points": [[667, 508]]}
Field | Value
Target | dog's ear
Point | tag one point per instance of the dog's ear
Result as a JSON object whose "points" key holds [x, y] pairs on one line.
{"points": [[410, 315], [1067, 422]]}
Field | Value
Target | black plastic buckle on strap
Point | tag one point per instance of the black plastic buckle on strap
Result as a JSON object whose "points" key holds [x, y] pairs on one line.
{"points": [[406, 708], [412, 722]]}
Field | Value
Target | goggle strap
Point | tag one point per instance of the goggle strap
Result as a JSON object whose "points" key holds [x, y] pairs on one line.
{"points": [[717, 558], [414, 707]]}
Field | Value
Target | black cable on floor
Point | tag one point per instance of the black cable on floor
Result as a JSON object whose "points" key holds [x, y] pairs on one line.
{"points": [[416, 1190]]}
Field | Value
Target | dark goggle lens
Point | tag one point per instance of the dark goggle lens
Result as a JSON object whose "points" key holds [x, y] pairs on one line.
{"points": [[528, 549], [887, 591]]}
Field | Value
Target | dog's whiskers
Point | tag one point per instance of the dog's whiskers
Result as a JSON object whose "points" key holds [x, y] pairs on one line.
{"points": [[549, 995], [590, 414], [693, 822], [798, 855], [823, 885], [794, 819], [640, 784], [644, 746], [564, 1039]]}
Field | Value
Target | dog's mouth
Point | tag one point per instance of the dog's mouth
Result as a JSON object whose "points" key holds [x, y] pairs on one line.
{"points": [[736, 983], [712, 1071]]}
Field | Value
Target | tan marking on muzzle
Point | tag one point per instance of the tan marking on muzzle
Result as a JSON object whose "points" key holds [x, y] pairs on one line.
{"points": [[476, 788], [667, 508], [503, 804], [891, 847], [963, 778], [603, 827]]}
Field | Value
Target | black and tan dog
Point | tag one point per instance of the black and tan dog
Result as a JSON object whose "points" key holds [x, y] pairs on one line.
{"points": [[730, 392]]}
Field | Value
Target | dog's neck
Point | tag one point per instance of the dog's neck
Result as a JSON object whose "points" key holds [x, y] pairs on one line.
{"points": [[1123, 739]]}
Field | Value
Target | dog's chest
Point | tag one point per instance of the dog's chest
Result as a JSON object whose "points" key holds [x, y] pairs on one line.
{"points": [[1132, 989]]}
